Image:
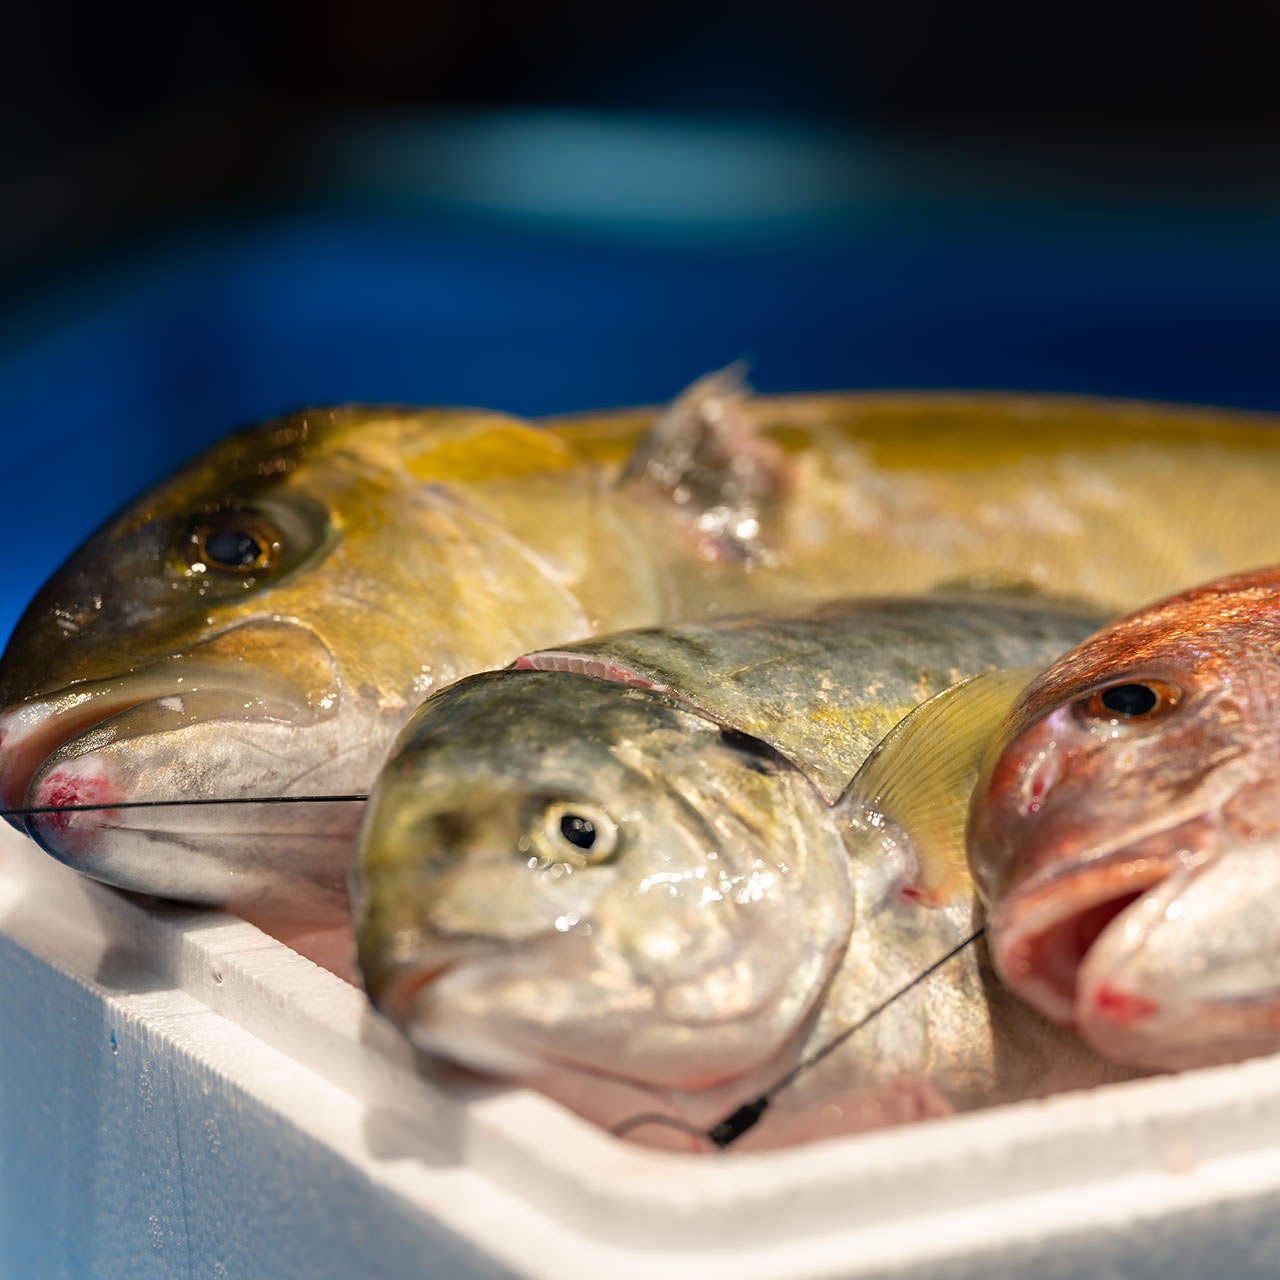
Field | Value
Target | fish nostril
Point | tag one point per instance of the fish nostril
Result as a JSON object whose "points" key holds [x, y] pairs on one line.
{"points": [[1036, 784], [445, 834]]}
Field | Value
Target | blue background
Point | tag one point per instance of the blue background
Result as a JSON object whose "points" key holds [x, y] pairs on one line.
{"points": [[545, 264]]}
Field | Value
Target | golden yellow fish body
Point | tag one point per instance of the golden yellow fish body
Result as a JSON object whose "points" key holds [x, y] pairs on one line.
{"points": [[1103, 500]]}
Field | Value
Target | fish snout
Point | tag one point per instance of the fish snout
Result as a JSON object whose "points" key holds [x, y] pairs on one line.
{"points": [[30, 734], [1191, 973], [50, 744], [397, 972]]}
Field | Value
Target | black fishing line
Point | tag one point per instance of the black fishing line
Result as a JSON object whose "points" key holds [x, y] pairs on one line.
{"points": [[192, 802], [727, 1131]]}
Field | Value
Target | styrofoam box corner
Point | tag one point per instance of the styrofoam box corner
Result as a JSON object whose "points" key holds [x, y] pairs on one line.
{"points": [[180, 1095]]}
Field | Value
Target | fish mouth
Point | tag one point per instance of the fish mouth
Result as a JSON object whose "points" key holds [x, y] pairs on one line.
{"points": [[394, 983], [45, 731], [409, 992], [1043, 934], [33, 733]]}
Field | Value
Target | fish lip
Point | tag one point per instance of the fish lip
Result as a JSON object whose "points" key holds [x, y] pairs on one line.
{"points": [[1158, 1020], [397, 972], [1041, 936], [398, 993], [401, 976], [34, 733]]}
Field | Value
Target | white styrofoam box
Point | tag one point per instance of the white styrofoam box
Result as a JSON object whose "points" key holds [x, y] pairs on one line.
{"points": [[182, 1096]]}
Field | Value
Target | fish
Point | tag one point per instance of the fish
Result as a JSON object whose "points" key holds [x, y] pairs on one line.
{"points": [[263, 622], [1125, 832], [654, 871]]}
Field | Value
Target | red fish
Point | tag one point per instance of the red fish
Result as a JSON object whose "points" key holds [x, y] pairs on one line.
{"points": [[1126, 832]]}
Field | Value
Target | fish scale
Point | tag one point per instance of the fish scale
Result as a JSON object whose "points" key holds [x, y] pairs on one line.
{"points": [[825, 686]]}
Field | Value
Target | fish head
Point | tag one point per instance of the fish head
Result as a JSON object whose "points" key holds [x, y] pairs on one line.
{"points": [[261, 622], [564, 872], [1141, 756]]}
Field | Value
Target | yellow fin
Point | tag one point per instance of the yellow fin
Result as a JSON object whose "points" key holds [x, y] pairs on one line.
{"points": [[922, 774]]}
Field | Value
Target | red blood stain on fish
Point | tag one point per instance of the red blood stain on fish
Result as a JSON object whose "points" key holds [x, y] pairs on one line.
{"points": [[63, 789], [1122, 1007], [925, 895]]}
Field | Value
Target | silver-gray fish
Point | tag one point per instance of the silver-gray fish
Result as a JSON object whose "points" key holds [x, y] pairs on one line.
{"points": [[654, 870]]}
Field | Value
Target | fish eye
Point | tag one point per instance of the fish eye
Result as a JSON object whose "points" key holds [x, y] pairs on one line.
{"points": [[240, 544], [575, 832], [1129, 702], [578, 831], [238, 541]]}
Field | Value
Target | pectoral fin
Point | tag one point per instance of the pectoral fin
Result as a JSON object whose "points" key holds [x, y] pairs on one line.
{"points": [[706, 456], [922, 774]]}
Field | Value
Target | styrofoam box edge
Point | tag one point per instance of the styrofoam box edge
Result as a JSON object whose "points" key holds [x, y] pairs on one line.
{"points": [[540, 1193]]}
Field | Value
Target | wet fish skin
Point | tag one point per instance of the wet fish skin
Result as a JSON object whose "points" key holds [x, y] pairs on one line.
{"points": [[417, 546], [638, 949], [740, 917], [133, 676], [1126, 855]]}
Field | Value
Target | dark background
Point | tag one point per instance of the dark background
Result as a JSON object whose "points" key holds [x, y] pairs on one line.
{"points": [[214, 212]]}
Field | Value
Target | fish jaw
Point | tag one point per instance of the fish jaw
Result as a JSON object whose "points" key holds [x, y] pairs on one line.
{"points": [[271, 850], [202, 726], [1189, 975], [273, 668], [30, 734], [38, 733], [405, 982], [550, 1008]]}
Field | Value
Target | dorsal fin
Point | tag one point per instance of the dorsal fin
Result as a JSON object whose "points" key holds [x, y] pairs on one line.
{"points": [[922, 774], [705, 455]]}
